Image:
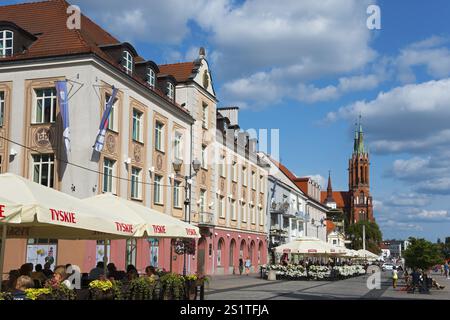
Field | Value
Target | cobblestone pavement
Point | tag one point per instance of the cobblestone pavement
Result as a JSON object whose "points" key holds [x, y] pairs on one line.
{"points": [[253, 288]]}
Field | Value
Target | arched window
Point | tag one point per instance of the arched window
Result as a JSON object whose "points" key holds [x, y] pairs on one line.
{"points": [[151, 77], [361, 198], [127, 62], [6, 43], [362, 216]]}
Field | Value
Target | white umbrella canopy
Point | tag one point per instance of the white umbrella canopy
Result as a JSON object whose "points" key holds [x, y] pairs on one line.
{"points": [[367, 254], [156, 224], [307, 246], [31, 210]]}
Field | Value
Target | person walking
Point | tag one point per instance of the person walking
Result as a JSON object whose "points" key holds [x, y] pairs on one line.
{"points": [[394, 277], [446, 268], [241, 266], [248, 264]]}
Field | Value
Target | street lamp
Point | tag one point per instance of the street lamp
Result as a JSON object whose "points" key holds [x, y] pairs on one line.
{"points": [[195, 165]]}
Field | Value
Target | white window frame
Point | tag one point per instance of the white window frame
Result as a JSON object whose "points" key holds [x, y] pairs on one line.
{"points": [[202, 199], [244, 212], [204, 157], [177, 194], [136, 181], [158, 190], [38, 163], [1, 163], [261, 216], [233, 209], [253, 214], [177, 146], [6, 35], [170, 90], [110, 186], [159, 136], [42, 98], [244, 176], [253, 180], [151, 75], [222, 169], [205, 117], [234, 171], [2, 108], [113, 119], [138, 124], [127, 61], [221, 208], [131, 251]]}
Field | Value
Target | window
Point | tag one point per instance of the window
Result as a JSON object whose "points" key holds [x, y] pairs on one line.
{"points": [[127, 62], [361, 198], [204, 158], [101, 251], [109, 171], [2, 108], [157, 194], [234, 171], [113, 120], [253, 180], [176, 194], [205, 116], [253, 213], [43, 169], [6, 43], [177, 144], [244, 212], [170, 91], [261, 183], [221, 207], [151, 78], [233, 209], [131, 249], [334, 241], [261, 216], [244, 176], [159, 136], [1, 163], [44, 110], [40, 251], [202, 201], [136, 180], [222, 166], [138, 131]]}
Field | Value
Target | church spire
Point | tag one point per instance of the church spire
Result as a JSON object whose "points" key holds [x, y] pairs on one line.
{"points": [[329, 189], [358, 146]]}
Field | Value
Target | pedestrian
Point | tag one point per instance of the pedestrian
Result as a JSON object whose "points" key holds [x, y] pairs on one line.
{"points": [[248, 264], [241, 266], [446, 268], [394, 277]]}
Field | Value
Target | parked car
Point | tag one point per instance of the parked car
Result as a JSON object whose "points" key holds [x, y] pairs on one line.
{"points": [[387, 266]]}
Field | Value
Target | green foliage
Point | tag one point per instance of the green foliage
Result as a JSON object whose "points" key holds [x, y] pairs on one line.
{"points": [[422, 254], [373, 236], [142, 288], [6, 296], [173, 286], [105, 290]]}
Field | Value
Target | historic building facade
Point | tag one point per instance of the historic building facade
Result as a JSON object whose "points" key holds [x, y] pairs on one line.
{"points": [[147, 129]]}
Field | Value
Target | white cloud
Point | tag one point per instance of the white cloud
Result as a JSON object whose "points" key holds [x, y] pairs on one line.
{"points": [[410, 118], [408, 200]]}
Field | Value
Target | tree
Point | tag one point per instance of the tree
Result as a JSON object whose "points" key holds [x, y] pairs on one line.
{"points": [[422, 254], [373, 236]]}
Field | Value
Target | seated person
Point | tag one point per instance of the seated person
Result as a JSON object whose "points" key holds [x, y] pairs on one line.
{"points": [[98, 271], [23, 283], [38, 275]]}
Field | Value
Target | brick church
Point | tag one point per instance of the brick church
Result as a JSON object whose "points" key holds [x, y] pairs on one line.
{"points": [[356, 203]]}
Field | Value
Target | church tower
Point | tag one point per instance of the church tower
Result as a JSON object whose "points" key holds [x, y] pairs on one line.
{"points": [[361, 207]]}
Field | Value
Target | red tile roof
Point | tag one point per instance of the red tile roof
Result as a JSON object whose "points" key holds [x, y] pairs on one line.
{"points": [[48, 22], [182, 71], [330, 226], [342, 198]]}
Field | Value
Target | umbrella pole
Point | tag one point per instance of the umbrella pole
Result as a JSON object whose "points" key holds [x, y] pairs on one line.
{"points": [[105, 258], [2, 254]]}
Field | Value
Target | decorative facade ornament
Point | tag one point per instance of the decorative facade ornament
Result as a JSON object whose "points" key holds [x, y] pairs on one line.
{"points": [[110, 143], [159, 162], [137, 153], [42, 137]]}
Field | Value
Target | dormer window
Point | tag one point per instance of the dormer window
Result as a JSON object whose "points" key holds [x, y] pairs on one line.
{"points": [[151, 78], [127, 62], [6, 43], [170, 91]]}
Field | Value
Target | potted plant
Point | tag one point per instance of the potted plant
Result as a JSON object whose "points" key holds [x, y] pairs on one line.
{"points": [[102, 290], [141, 289], [6, 296], [173, 286], [39, 294]]}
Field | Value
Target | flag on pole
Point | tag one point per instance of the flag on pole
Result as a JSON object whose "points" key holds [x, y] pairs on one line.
{"points": [[61, 90], [99, 142]]}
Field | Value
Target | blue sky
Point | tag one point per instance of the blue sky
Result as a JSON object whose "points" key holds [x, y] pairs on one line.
{"points": [[309, 69]]}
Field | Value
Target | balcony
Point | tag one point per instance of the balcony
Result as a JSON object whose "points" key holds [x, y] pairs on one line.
{"points": [[205, 219]]}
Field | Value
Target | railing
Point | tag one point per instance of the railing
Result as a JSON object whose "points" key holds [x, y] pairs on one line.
{"points": [[206, 218]]}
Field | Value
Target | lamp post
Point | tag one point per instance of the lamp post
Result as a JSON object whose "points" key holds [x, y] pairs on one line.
{"points": [[195, 166]]}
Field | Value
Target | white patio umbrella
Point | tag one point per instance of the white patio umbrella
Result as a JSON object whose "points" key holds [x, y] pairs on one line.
{"points": [[367, 255], [155, 223], [307, 246], [31, 210]]}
